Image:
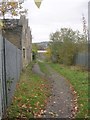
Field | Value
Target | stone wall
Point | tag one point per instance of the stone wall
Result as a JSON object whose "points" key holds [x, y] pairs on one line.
{"points": [[26, 41]]}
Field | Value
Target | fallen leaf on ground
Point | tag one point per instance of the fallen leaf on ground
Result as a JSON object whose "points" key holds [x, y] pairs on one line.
{"points": [[24, 106]]}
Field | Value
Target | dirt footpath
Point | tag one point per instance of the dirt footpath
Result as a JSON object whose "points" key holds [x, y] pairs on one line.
{"points": [[60, 104]]}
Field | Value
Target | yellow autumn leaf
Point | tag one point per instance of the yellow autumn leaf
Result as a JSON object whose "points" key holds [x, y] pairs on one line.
{"points": [[13, 4], [14, 13], [1, 24]]}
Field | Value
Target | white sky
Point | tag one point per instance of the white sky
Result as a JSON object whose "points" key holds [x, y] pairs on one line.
{"points": [[53, 15]]}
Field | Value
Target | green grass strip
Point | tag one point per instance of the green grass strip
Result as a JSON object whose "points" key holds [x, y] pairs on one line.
{"points": [[30, 97]]}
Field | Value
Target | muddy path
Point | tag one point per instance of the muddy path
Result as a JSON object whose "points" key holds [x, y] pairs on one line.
{"points": [[61, 102]]}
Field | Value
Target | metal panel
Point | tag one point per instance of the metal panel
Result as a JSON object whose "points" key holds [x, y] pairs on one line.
{"points": [[13, 63], [13, 68], [82, 59]]}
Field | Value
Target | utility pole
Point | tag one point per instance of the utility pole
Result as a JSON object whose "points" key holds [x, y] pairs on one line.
{"points": [[84, 27]]}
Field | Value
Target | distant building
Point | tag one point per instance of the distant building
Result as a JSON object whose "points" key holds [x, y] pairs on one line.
{"points": [[42, 45]]}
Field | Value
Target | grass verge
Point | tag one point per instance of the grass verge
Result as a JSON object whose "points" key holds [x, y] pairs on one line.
{"points": [[79, 80], [30, 97]]}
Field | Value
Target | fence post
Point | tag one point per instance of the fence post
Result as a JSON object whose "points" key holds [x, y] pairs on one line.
{"points": [[0, 76]]}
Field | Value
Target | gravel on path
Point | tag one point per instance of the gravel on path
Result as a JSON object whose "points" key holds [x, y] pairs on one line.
{"points": [[61, 101]]}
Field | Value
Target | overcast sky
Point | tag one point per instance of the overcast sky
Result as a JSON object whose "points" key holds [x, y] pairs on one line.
{"points": [[53, 15]]}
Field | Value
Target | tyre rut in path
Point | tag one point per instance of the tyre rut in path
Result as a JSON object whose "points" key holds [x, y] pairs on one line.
{"points": [[60, 103]]}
